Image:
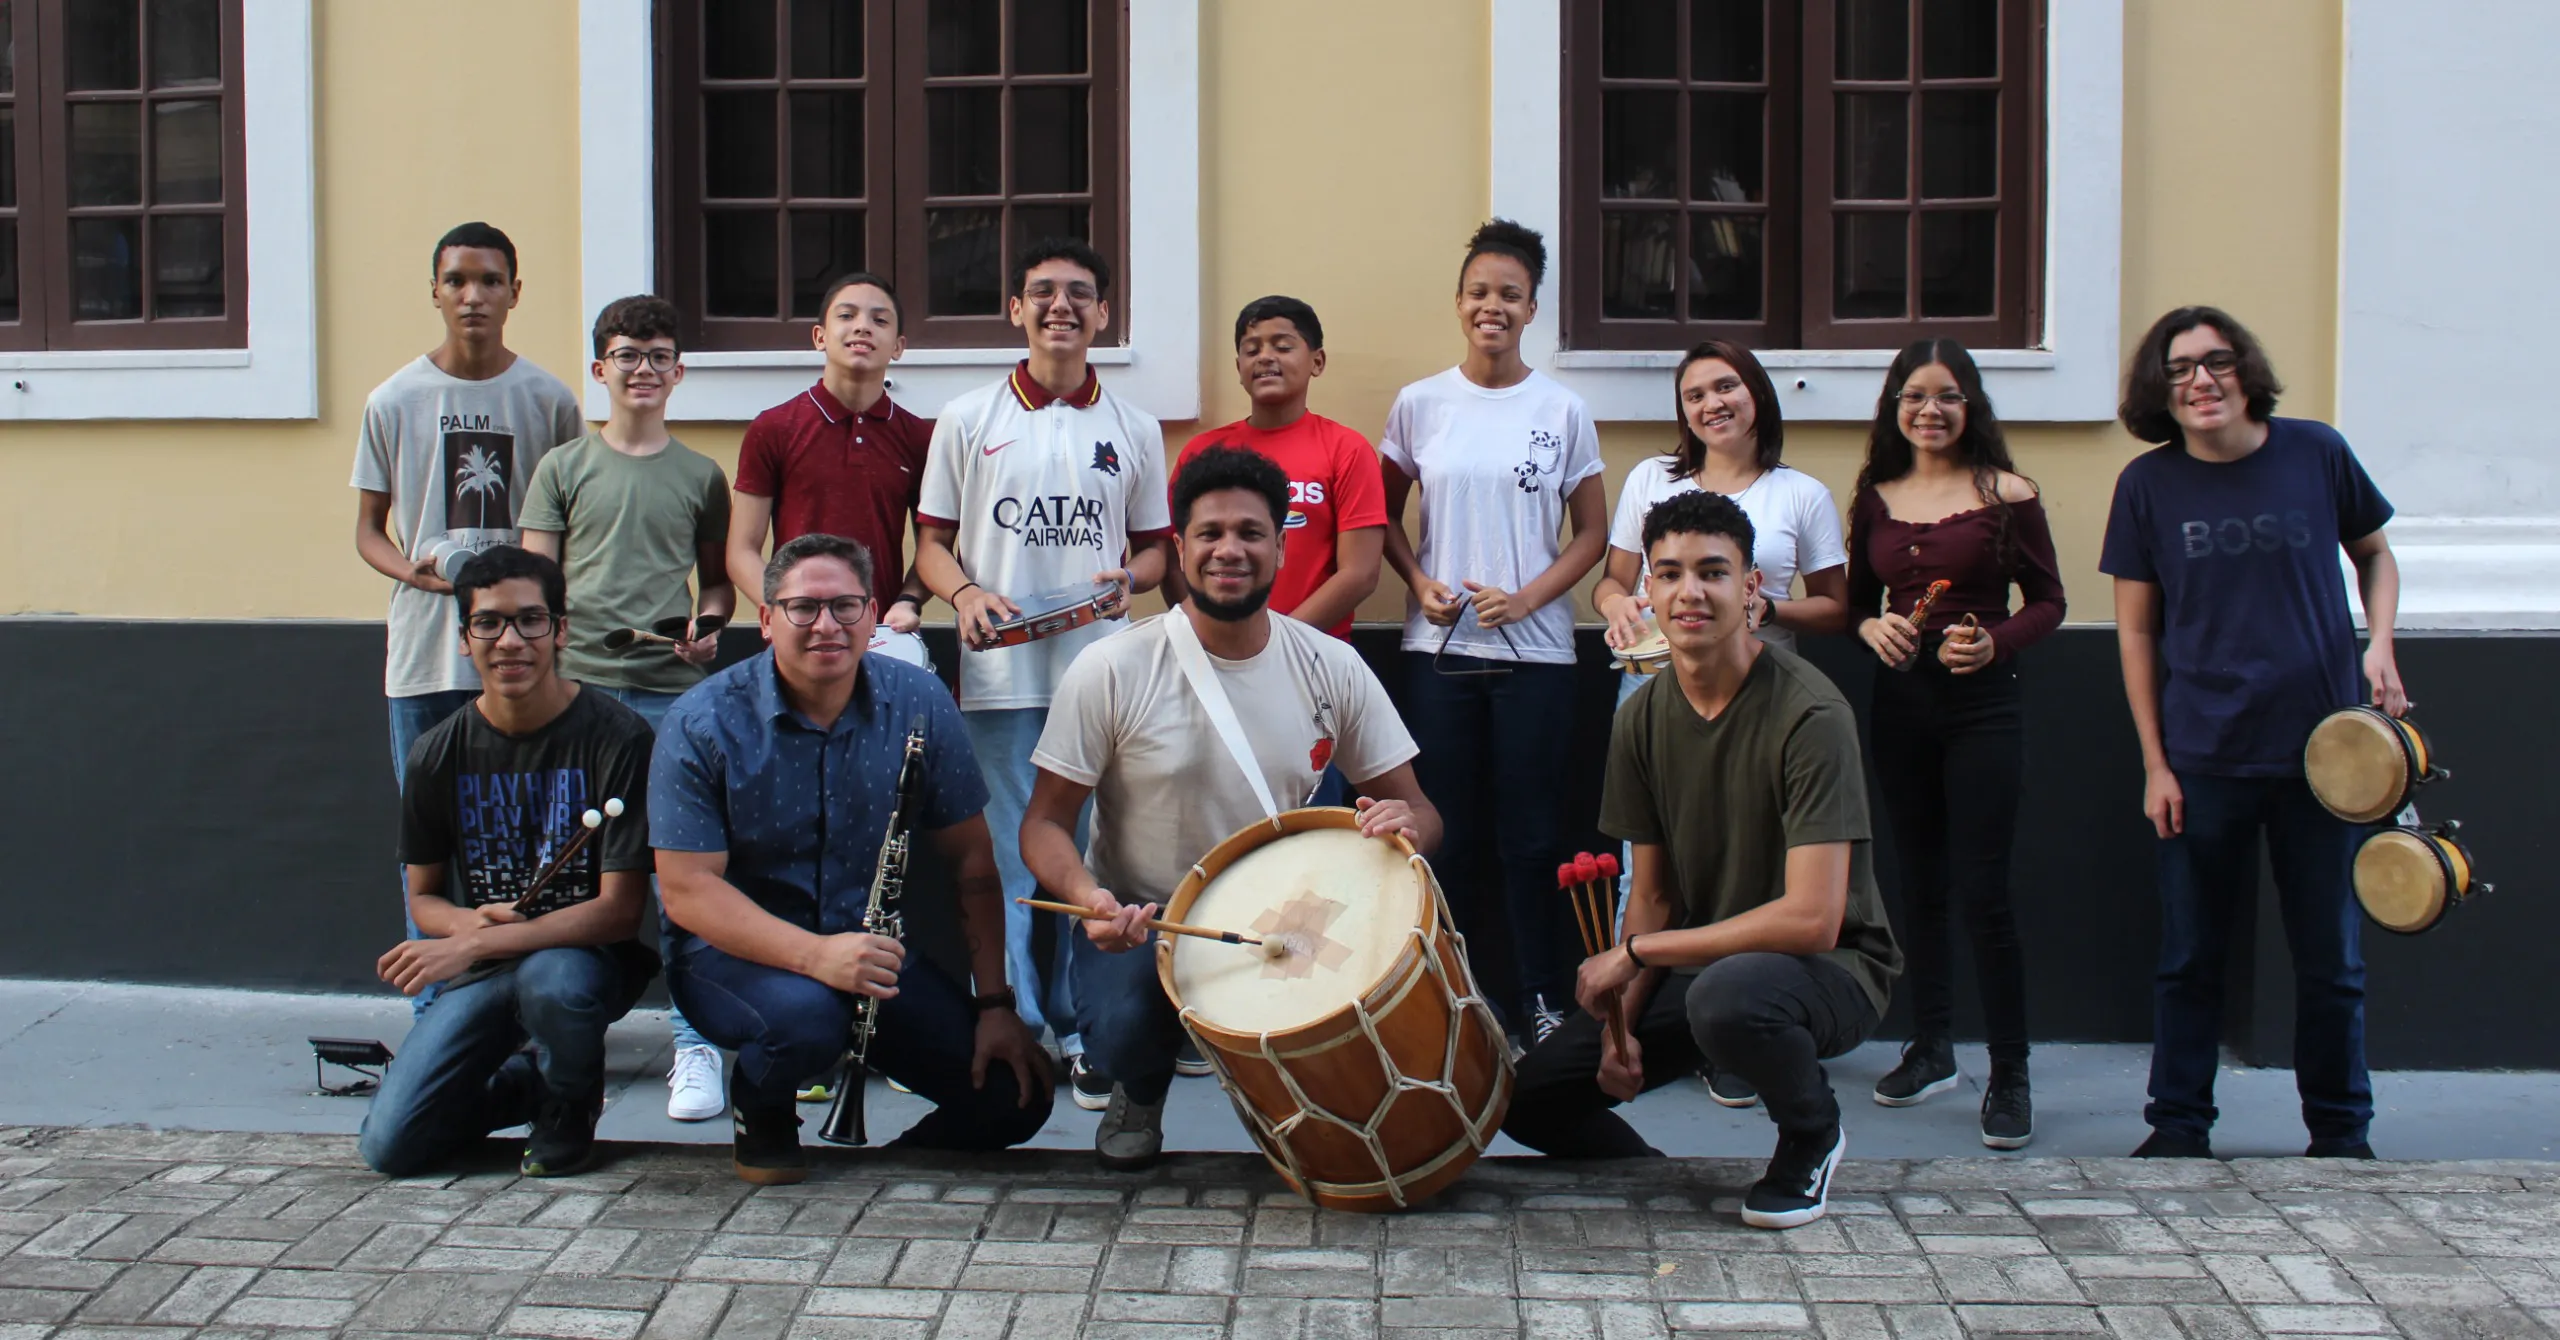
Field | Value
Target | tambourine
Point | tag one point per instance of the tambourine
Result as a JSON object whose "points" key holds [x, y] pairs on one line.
{"points": [[1061, 611]]}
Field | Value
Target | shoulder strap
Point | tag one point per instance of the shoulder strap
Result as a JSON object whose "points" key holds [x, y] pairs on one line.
{"points": [[1194, 660]]}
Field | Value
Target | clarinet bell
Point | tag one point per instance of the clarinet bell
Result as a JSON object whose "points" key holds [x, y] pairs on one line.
{"points": [[844, 1124]]}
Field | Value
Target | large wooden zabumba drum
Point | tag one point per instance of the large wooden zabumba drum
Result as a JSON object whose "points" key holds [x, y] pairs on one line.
{"points": [[1362, 1058]]}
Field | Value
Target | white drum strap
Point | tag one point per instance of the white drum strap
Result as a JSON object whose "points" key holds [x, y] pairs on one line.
{"points": [[1213, 698]]}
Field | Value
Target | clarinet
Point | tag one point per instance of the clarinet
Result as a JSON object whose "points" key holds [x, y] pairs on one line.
{"points": [[844, 1124]]}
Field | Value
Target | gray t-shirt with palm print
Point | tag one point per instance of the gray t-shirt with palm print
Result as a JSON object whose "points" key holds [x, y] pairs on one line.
{"points": [[456, 457]]}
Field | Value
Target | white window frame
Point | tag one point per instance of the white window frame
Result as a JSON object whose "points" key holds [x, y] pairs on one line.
{"points": [[278, 375], [1158, 369], [2070, 377]]}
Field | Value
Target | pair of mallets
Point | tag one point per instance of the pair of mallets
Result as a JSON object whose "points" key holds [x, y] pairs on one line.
{"points": [[669, 630], [1592, 883]]}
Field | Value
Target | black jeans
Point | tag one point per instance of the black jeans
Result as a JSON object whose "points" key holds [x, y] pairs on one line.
{"points": [[1771, 1019], [1951, 762]]}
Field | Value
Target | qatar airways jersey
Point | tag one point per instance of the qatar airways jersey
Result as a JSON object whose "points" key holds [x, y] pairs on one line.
{"points": [[1045, 491]]}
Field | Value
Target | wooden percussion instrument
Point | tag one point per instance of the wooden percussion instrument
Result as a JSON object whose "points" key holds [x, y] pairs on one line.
{"points": [[2365, 764], [1362, 1058], [1053, 612], [2407, 878], [1648, 654]]}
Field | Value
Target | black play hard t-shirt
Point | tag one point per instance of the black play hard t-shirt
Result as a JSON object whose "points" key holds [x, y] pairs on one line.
{"points": [[496, 807]]}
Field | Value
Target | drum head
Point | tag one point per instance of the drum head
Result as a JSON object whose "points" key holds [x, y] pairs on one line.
{"points": [[2358, 765], [900, 646], [1346, 906], [2401, 880], [1648, 655]]}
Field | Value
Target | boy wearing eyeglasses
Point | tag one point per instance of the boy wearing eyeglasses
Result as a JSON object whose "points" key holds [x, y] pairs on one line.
{"points": [[494, 798], [631, 514]]}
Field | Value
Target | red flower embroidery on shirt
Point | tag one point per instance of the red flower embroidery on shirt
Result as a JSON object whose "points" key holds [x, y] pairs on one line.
{"points": [[1321, 754]]}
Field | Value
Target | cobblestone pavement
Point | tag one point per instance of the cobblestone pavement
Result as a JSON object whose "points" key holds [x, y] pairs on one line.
{"points": [[125, 1232]]}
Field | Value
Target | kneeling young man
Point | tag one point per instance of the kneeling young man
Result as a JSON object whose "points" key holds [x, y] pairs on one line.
{"points": [[768, 801], [489, 798], [1129, 729], [1754, 936]]}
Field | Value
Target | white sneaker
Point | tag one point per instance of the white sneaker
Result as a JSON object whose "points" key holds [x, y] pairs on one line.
{"points": [[694, 1092]]}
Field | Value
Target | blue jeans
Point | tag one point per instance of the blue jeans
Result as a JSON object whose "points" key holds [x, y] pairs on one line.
{"points": [[789, 1031], [1628, 683], [412, 717], [652, 707], [1130, 1030], [1494, 750], [458, 1077], [2207, 873], [1003, 740]]}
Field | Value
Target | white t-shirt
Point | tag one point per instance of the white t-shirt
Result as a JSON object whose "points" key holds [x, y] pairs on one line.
{"points": [[456, 457], [1494, 469], [1794, 527], [1127, 724], [1045, 492]]}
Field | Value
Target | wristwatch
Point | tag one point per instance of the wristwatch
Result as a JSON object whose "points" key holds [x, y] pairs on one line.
{"points": [[993, 1000]]}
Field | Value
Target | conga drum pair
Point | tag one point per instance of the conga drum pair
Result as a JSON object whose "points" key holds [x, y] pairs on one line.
{"points": [[1360, 1056]]}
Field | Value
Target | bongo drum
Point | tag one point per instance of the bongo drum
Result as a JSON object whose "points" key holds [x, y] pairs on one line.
{"points": [[1647, 655], [2407, 878], [2365, 764], [1053, 612], [1363, 1059]]}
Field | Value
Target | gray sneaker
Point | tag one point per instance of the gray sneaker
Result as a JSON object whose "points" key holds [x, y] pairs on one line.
{"points": [[1131, 1135]]}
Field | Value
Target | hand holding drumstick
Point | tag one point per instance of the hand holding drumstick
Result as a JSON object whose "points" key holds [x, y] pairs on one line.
{"points": [[1591, 882]]}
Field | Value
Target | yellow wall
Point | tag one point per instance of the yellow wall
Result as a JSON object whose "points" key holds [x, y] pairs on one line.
{"points": [[1346, 157]]}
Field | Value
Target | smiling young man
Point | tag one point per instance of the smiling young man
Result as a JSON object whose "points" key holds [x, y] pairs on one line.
{"points": [[1754, 938], [2233, 628], [1042, 483], [493, 794], [1130, 731], [632, 514]]}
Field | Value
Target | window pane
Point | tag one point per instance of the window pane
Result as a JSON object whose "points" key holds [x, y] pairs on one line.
{"points": [[1725, 147], [962, 261], [1724, 267], [963, 37], [1874, 138], [1959, 259], [826, 39], [737, 146], [1033, 223], [186, 43], [1868, 264], [106, 153], [826, 146], [738, 263], [737, 39], [103, 44], [964, 141], [106, 269], [8, 70], [186, 153], [1874, 40], [1639, 39], [1050, 143], [186, 265], [1639, 146], [1725, 42], [8, 265], [824, 244], [1639, 256], [1960, 145], [1049, 36], [1959, 39], [8, 147]]}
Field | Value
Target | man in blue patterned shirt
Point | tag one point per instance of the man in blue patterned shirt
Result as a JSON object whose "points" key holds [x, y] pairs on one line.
{"points": [[771, 788]]}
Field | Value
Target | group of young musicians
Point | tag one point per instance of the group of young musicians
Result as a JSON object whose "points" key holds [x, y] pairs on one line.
{"points": [[1096, 765]]}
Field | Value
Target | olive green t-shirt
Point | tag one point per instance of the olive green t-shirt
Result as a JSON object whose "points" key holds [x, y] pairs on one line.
{"points": [[1725, 799], [631, 529]]}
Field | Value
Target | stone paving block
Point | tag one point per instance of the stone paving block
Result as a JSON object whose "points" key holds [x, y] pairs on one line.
{"points": [[479, 1259], [204, 1293], [1982, 1244], [2529, 1283], [1203, 1269], [589, 1291], [1739, 1317], [834, 1302], [2028, 1319], [765, 1312], [298, 1313], [139, 1234], [2497, 1323], [1139, 1267], [574, 1323], [1303, 1319], [1443, 1271], [70, 1234], [1159, 1308], [658, 1253], [392, 1247], [2152, 1291], [1023, 1223], [1760, 1278], [1922, 1322], [753, 1270], [862, 1261], [1871, 1289], [424, 1302], [2213, 1321], [2308, 1319], [39, 1305], [593, 1251], [1860, 1263], [131, 1295], [931, 1264], [2138, 1322]]}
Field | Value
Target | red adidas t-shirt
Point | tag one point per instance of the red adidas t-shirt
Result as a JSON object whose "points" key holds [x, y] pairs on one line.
{"points": [[1334, 486]]}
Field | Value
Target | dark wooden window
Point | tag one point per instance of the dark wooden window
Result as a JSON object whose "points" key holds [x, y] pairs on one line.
{"points": [[123, 220], [1825, 174], [925, 140]]}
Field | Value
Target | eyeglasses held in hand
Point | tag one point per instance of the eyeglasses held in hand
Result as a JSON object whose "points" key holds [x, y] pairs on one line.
{"points": [[531, 625], [629, 359], [803, 610], [2221, 363], [1944, 399]]}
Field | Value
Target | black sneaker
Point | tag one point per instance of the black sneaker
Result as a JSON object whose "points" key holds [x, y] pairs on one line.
{"points": [[2339, 1149], [1928, 1068], [1092, 1088], [2008, 1109], [1728, 1088], [2172, 1145], [564, 1137], [1797, 1188], [1187, 1059], [766, 1148]]}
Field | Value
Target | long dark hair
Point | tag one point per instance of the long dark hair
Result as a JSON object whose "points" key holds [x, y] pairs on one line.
{"points": [[1981, 447], [2145, 410], [1768, 422]]}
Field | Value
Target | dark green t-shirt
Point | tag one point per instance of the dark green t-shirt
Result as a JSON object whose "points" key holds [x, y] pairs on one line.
{"points": [[1725, 799]]}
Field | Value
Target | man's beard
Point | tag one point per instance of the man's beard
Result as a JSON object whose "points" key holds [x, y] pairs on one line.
{"points": [[1232, 611]]}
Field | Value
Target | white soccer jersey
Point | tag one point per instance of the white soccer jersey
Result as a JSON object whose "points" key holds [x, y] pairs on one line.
{"points": [[1046, 491]]}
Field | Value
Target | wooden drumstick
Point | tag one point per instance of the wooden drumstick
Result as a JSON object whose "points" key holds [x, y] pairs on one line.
{"points": [[623, 637], [1168, 927], [1581, 914]]}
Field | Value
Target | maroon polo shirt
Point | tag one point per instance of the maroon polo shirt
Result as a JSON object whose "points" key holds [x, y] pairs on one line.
{"points": [[828, 469]]}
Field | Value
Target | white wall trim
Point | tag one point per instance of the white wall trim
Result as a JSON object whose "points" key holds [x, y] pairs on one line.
{"points": [[2070, 377], [1159, 304], [278, 375]]}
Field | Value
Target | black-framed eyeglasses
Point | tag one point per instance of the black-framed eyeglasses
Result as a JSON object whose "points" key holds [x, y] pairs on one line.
{"points": [[532, 625], [1489, 667], [2221, 363], [802, 611], [1077, 294], [1943, 399], [629, 359]]}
